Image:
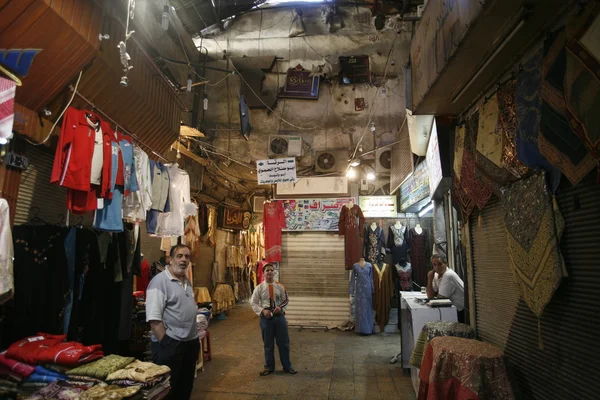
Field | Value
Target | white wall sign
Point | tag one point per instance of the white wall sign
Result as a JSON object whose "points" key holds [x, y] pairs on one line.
{"points": [[434, 163], [277, 170], [378, 206]]}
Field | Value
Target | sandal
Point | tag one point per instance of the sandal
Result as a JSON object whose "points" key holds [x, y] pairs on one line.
{"points": [[290, 371], [266, 372]]}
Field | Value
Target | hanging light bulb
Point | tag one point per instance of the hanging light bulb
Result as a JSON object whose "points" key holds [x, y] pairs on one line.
{"points": [[351, 173], [165, 18], [371, 176], [205, 102]]}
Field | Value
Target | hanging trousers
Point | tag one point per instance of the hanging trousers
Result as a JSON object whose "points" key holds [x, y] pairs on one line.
{"points": [[181, 357], [276, 329]]}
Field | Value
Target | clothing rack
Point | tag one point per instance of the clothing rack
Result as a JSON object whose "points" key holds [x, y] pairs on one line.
{"points": [[133, 135]]}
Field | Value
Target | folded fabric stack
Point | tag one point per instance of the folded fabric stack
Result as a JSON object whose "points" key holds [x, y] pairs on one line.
{"points": [[153, 380]]}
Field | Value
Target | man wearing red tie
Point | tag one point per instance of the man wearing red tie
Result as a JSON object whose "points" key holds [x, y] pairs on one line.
{"points": [[269, 301]]}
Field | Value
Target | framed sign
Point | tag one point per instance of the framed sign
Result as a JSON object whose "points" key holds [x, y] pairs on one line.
{"points": [[233, 218], [299, 84], [314, 214], [277, 170], [378, 206], [415, 188]]}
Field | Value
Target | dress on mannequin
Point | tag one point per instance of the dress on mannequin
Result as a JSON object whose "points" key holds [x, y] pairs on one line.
{"points": [[420, 252], [384, 291], [399, 242], [350, 226], [374, 242], [404, 270], [361, 286]]}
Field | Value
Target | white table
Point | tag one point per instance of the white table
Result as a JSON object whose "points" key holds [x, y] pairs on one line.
{"points": [[414, 315]]}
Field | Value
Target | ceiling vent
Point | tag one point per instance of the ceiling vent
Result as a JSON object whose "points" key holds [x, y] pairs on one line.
{"points": [[331, 161], [383, 161], [285, 146]]}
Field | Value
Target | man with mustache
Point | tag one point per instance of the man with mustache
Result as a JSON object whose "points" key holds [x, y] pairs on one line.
{"points": [[171, 310]]}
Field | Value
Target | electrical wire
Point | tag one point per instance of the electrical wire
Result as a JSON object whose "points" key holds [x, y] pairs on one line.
{"points": [[219, 82], [61, 114]]}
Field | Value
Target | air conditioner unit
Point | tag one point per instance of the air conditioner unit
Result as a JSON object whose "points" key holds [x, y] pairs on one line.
{"points": [[383, 161], [258, 204], [285, 146], [331, 161]]}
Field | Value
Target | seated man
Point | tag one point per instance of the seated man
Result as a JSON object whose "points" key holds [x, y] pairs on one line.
{"points": [[442, 282]]}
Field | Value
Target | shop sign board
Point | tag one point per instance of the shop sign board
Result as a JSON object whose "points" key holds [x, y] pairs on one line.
{"points": [[314, 214], [299, 84], [379, 206], [415, 188], [234, 218], [434, 162], [277, 170]]}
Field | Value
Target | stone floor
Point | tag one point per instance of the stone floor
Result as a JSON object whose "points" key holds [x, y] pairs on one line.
{"points": [[331, 365]]}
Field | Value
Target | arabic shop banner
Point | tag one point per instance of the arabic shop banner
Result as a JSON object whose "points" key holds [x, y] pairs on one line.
{"points": [[233, 218], [300, 85], [314, 214], [378, 206], [415, 188], [277, 170]]}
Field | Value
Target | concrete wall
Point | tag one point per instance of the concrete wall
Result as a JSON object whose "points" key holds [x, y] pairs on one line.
{"points": [[329, 123]]}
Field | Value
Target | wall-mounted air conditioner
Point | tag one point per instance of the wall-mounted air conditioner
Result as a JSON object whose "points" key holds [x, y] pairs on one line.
{"points": [[383, 161], [285, 146], [331, 161]]}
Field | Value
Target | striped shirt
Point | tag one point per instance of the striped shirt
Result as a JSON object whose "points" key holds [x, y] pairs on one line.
{"points": [[263, 297]]}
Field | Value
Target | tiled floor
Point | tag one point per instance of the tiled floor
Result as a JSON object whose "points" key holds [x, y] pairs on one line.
{"points": [[331, 365]]}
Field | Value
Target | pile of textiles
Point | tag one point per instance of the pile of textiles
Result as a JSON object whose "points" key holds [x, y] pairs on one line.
{"points": [[46, 367]]}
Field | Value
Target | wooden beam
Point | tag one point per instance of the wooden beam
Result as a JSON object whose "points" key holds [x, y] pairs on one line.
{"points": [[183, 150]]}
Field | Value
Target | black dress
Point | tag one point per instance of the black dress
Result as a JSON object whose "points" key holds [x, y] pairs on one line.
{"points": [[399, 243], [419, 256], [374, 241]]}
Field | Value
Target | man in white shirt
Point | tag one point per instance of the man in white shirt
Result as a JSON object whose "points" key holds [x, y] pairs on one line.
{"points": [[444, 282], [269, 301]]}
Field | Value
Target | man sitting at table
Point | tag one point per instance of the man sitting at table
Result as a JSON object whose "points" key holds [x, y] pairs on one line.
{"points": [[442, 282]]}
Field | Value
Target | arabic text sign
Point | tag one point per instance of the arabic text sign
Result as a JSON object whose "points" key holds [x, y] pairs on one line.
{"points": [[314, 214], [378, 206], [277, 170]]}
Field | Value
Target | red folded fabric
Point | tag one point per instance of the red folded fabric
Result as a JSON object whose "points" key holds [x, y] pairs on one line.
{"points": [[5, 372], [26, 350], [68, 354], [17, 367]]}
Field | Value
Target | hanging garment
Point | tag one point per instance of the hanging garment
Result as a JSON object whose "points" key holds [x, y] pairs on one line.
{"points": [[374, 241], [404, 276], [212, 224], [384, 291], [351, 226], [138, 203], [74, 155], [110, 218], [533, 242], [203, 219], [192, 234], [399, 243], [560, 137], [160, 185], [361, 286], [420, 252], [274, 222], [7, 280], [507, 125], [129, 175], [529, 102], [7, 107], [171, 224], [41, 279]]}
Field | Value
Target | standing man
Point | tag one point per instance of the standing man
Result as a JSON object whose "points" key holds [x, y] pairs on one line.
{"points": [[171, 311], [269, 301], [444, 282]]}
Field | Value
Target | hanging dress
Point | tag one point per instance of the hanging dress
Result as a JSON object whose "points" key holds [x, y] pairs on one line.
{"points": [[404, 276], [350, 226], [274, 222], [171, 224], [374, 241], [361, 286], [384, 291], [399, 243], [420, 251]]}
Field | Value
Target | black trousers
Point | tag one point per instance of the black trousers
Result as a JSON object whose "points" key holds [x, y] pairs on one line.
{"points": [[181, 357]]}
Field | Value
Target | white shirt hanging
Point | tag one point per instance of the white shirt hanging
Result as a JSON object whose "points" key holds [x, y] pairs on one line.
{"points": [[7, 285], [137, 204], [180, 204]]}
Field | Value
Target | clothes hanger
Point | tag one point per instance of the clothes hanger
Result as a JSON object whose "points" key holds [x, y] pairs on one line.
{"points": [[11, 76], [79, 223], [36, 219]]}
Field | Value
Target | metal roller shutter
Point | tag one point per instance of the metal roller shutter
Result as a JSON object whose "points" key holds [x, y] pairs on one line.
{"points": [[496, 294], [36, 191], [565, 367], [312, 270]]}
